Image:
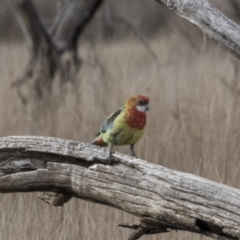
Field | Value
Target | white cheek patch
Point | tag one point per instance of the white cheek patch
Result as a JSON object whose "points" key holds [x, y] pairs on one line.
{"points": [[141, 108]]}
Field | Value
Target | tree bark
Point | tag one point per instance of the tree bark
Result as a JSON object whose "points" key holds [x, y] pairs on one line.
{"points": [[210, 21], [163, 199]]}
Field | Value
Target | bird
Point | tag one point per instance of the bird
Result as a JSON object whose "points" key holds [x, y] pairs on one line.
{"points": [[124, 126]]}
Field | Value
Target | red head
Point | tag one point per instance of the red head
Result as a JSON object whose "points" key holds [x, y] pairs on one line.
{"points": [[136, 111], [140, 102]]}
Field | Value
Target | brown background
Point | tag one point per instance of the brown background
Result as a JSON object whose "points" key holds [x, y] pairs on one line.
{"points": [[193, 124]]}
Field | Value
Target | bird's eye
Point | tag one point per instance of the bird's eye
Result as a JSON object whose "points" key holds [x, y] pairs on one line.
{"points": [[140, 102]]}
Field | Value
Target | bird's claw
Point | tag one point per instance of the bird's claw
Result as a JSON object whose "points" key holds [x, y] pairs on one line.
{"points": [[133, 154], [110, 157], [112, 160]]}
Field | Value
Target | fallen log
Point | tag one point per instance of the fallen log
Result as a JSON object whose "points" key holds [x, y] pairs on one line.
{"points": [[162, 198]]}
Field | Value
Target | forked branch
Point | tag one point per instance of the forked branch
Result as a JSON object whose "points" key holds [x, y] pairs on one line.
{"points": [[53, 49], [163, 199]]}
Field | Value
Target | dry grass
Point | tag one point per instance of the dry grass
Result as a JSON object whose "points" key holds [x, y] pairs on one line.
{"points": [[193, 125]]}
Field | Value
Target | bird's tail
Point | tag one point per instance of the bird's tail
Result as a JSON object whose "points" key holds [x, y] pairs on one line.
{"points": [[99, 142]]}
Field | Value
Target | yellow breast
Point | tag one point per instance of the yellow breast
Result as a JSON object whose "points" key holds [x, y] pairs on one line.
{"points": [[121, 133]]}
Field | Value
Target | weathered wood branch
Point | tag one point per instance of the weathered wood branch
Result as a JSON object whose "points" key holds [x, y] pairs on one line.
{"points": [[210, 21], [163, 199]]}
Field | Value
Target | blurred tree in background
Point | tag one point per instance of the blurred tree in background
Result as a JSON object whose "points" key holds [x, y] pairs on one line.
{"points": [[53, 30], [146, 16], [128, 47]]}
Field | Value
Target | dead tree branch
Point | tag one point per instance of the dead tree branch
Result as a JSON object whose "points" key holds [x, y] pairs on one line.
{"points": [[163, 199], [209, 20]]}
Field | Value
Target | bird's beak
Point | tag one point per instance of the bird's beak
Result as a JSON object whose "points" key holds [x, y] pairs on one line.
{"points": [[147, 107]]}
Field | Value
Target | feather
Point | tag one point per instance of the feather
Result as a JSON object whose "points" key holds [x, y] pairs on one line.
{"points": [[125, 126], [108, 123], [99, 142]]}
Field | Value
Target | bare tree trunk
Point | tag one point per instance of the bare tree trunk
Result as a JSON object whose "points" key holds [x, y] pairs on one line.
{"points": [[67, 29], [37, 36], [54, 49], [163, 199]]}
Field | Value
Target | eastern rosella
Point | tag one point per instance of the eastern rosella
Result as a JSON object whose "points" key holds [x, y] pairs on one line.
{"points": [[125, 126]]}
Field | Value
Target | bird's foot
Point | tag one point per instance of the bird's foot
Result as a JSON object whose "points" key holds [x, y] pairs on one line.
{"points": [[110, 157], [112, 160], [133, 154]]}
